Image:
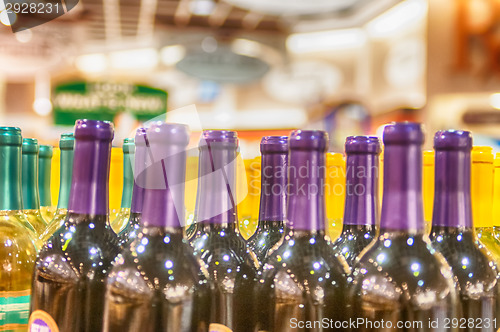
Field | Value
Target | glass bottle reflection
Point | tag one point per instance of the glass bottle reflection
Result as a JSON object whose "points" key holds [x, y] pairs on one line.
{"points": [[269, 231], [157, 284], [302, 280], [361, 205], [399, 276]]}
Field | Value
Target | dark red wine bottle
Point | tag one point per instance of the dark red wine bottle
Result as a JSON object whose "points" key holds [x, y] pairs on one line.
{"points": [[453, 234], [361, 192], [141, 159], [231, 265], [399, 278], [269, 231], [303, 281], [69, 277], [157, 284]]}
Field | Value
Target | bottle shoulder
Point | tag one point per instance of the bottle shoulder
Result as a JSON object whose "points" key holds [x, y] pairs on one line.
{"points": [[405, 264]]}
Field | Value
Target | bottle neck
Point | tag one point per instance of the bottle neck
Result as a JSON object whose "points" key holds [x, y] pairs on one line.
{"points": [[31, 197], [164, 193], [66, 172], [361, 202], [402, 207], [44, 181], [128, 180], [137, 198], [215, 201], [452, 201], [273, 187], [90, 178], [482, 193], [10, 178], [306, 202]]}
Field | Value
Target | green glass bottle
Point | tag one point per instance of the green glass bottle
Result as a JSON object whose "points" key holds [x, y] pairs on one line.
{"points": [[31, 196], [121, 220], [66, 146], [17, 248], [44, 165]]}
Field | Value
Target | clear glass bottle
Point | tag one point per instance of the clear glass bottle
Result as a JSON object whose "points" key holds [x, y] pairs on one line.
{"points": [[31, 196], [269, 231], [361, 203], [17, 248], [44, 169], [122, 219], [66, 147], [157, 284], [399, 276]]}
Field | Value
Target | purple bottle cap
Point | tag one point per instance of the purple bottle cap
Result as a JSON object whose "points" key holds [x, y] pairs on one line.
{"points": [[309, 140], [273, 178], [453, 140], [362, 144], [216, 201], [165, 176], [94, 129], [306, 172], [274, 144], [404, 133], [90, 180]]}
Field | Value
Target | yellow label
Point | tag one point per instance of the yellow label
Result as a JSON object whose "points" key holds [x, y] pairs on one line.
{"points": [[40, 321], [218, 328]]}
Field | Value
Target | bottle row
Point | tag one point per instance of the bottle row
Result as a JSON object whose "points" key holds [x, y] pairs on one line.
{"points": [[383, 272]]}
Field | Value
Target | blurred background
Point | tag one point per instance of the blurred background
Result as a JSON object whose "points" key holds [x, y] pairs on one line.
{"points": [[256, 66]]}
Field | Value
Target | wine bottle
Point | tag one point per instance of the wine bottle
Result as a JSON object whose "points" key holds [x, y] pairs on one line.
{"points": [[496, 196], [31, 196], [141, 159], [361, 203], [66, 147], [428, 188], [17, 249], [44, 167], [302, 280], [69, 275], [335, 193], [453, 233], [482, 199], [119, 223], [231, 265], [399, 277], [269, 231], [157, 284]]}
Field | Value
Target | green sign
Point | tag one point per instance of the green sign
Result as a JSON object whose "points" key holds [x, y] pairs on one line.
{"points": [[103, 101]]}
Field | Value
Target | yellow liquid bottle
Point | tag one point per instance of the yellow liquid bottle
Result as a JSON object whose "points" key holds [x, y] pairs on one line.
{"points": [[254, 184], [428, 188], [335, 193], [244, 176], [496, 196], [482, 198], [115, 182], [123, 216], [190, 194], [31, 196]]}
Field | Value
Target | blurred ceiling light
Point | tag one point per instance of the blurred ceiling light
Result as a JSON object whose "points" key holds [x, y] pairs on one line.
{"points": [[92, 63], [209, 44], [201, 7], [7, 19], [246, 47], [326, 40], [495, 100], [406, 13], [24, 36], [145, 58], [42, 106], [170, 55]]}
